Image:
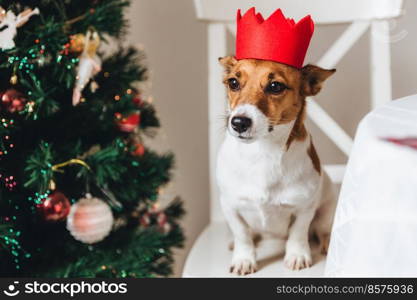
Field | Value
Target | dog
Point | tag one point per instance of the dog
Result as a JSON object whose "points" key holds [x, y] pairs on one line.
{"points": [[268, 171]]}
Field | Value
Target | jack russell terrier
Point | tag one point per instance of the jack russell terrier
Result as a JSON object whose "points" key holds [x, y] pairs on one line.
{"points": [[268, 171]]}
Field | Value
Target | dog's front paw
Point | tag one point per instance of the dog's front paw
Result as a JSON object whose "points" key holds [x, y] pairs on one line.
{"points": [[243, 266], [298, 261]]}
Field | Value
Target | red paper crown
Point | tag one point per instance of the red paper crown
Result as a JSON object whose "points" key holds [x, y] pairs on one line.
{"points": [[276, 38]]}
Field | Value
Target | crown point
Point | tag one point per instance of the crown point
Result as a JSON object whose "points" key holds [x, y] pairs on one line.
{"points": [[239, 15], [279, 20], [306, 24], [260, 17], [250, 11]]}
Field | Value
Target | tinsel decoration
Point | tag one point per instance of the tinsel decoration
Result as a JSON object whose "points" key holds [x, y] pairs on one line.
{"points": [[9, 181], [10, 242], [90, 220], [5, 146]]}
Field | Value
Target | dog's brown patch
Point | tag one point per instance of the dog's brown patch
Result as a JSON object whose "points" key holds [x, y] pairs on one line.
{"points": [[313, 78], [298, 132], [314, 157]]}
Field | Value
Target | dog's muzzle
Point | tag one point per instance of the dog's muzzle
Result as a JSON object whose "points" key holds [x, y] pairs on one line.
{"points": [[247, 123]]}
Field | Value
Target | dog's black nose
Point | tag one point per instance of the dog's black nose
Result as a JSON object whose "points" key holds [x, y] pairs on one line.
{"points": [[241, 124]]}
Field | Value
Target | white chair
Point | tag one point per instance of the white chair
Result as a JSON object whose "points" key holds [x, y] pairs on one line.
{"points": [[209, 256]]}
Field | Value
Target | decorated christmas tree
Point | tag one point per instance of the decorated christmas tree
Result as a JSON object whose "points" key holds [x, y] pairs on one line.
{"points": [[78, 189]]}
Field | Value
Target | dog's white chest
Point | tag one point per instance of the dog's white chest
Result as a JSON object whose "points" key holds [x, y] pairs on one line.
{"points": [[254, 177], [263, 174], [264, 183]]}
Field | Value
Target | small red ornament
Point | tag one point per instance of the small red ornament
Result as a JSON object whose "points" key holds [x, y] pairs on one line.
{"points": [[162, 219], [153, 217], [13, 100], [163, 223], [137, 100], [139, 150], [145, 219], [55, 207], [129, 123]]}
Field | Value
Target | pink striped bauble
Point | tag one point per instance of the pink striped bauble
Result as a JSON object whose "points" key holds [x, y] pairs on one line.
{"points": [[90, 220]]}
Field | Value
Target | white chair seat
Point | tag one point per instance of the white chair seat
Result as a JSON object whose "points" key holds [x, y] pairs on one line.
{"points": [[210, 257]]}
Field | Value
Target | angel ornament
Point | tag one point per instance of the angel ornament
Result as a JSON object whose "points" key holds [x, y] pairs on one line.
{"points": [[89, 65], [9, 23]]}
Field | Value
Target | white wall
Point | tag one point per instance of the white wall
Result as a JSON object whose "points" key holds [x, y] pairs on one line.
{"points": [[176, 47]]}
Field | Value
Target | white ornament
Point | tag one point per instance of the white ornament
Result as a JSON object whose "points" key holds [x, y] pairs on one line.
{"points": [[90, 220], [89, 65], [9, 23]]}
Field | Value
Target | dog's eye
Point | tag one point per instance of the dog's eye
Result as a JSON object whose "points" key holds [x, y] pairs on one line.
{"points": [[275, 87], [233, 84]]}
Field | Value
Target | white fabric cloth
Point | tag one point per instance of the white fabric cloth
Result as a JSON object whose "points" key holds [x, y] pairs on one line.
{"points": [[375, 228]]}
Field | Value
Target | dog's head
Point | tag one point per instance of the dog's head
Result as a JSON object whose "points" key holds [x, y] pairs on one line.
{"points": [[264, 94]]}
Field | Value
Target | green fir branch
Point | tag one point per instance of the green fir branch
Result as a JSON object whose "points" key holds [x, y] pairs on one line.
{"points": [[39, 168]]}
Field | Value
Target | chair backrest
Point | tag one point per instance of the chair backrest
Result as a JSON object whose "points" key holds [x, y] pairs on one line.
{"points": [[322, 11], [362, 14]]}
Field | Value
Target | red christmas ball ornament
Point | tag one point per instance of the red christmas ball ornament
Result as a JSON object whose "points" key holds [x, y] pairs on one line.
{"points": [[145, 219], [129, 123], [55, 207], [139, 150], [137, 100], [163, 223], [13, 100]]}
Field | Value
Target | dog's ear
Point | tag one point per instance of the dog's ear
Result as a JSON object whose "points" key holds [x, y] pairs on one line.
{"points": [[313, 78], [228, 62]]}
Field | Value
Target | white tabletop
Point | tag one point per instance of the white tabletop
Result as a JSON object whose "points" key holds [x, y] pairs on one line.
{"points": [[375, 228]]}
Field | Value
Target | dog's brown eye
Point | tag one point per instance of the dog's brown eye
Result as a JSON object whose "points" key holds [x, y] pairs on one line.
{"points": [[275, 87], [233, 84]]}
